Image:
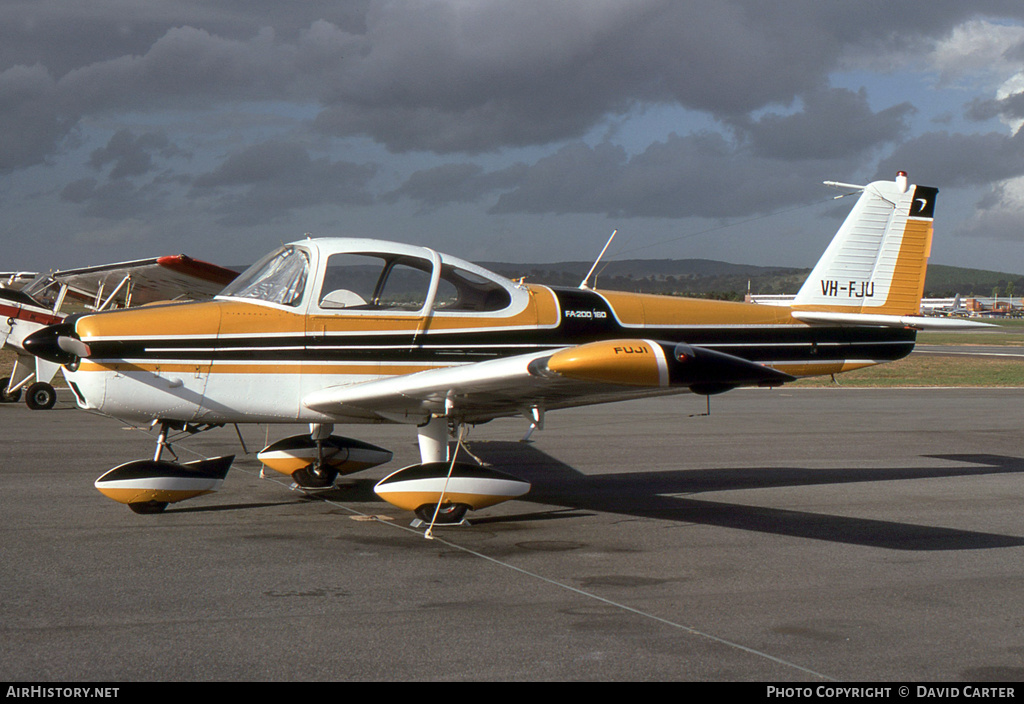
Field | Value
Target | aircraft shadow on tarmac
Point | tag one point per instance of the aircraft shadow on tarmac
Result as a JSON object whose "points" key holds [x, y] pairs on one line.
{"points": [[666, 494]]}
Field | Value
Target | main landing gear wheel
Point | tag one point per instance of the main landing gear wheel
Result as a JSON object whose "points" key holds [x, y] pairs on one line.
{"points": [[41, 396], [148, 507], [6, 397], [313, 477], [449, 513]]}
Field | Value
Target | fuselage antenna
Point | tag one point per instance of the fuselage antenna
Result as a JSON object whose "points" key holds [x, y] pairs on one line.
{"points": [[583, 284]]}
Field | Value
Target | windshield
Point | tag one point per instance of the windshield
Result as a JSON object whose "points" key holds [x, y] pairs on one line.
{"points": [[43, 291], [280, 277]]}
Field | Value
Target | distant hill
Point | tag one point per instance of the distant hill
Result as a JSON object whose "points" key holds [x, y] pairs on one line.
{"points": [[715, 279], [945, 281], [708, 278]]}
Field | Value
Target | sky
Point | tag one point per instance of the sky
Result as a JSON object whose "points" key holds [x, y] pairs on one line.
{"points": [[521, 131]]}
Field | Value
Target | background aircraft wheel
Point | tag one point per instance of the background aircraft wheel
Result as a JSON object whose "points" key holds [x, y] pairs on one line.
{"points": [[6, 397], [40, 396], [449, 513], [148, 507], [312, 477]]}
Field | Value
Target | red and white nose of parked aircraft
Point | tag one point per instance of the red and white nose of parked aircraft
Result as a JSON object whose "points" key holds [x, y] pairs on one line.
{"points": [[40, 302]]}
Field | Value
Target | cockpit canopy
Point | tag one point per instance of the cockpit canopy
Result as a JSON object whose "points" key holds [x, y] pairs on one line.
{"points": [[369, 275], [280, 277]]}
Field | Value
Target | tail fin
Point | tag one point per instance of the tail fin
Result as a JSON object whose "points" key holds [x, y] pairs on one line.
{"points": [[876, 262]]}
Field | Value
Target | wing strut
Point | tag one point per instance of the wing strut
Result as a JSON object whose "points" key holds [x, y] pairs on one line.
{"points": [[460, 436]]}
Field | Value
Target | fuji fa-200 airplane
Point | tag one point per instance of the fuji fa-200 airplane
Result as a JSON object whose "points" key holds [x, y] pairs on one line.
{"points": [[351, 331], [39, 301]]}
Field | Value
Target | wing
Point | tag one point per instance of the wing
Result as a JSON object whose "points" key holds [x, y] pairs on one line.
{"points": [[15, 280], [149, 280], [596, 372]]}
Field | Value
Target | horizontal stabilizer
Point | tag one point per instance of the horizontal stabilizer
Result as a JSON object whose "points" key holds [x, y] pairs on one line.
{"points": [[918, 322]]}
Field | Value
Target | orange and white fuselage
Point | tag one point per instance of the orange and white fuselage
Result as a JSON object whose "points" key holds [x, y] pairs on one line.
{"points": [[619, 344], [354, 330], [340, 330]]}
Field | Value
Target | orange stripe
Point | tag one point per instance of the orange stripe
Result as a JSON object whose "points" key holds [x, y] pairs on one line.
{"points": [[412, 500], [654, 310], [258, 368], [134, 496]]}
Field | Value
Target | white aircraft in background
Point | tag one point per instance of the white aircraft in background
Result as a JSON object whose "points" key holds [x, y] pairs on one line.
{"points": [[954, 307], [31, 302]]}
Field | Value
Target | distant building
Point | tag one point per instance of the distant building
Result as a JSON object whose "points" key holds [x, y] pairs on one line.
{"points": [[986, 305]]}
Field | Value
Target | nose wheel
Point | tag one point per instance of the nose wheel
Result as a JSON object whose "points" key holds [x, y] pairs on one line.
{"points": [[41, 396], [320, 474]]}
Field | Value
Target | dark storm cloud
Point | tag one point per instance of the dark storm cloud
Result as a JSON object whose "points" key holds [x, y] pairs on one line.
{"points": [[31, 123], [455, 183], [447, 77], [460, 78], [684, 176], [955, 159], [66, 35], [1010, 107], [833, 124], [267, 181], [113, 200], [186, 67], [130, 189], [438, 76], [704, 174], [435, 76], [131, 155], [997, 217]]}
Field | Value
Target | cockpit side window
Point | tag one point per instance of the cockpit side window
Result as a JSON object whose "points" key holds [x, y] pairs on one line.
{"points": [[379, 282], [463, 290], [280, 278]]}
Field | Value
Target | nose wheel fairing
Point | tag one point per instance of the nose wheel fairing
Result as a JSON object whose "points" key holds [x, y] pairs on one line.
{"points": [[315, 460], [148, 486]]}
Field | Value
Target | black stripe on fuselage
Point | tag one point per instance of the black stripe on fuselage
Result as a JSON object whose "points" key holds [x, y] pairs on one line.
{"points": [[585, 317]]}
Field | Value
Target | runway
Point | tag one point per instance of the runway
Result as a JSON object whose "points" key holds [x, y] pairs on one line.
{"points": [[971, 350], [792, 535]]}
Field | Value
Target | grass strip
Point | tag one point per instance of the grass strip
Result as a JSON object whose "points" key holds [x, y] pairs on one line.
{"points": [[920, 370]]}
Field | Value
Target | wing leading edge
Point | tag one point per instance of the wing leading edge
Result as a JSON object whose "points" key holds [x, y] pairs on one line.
{"points": [[156, 279], [595, 372]]}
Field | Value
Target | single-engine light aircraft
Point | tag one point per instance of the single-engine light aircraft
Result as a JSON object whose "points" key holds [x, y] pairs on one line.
{"points": [[348, 331], [30, 303]]}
